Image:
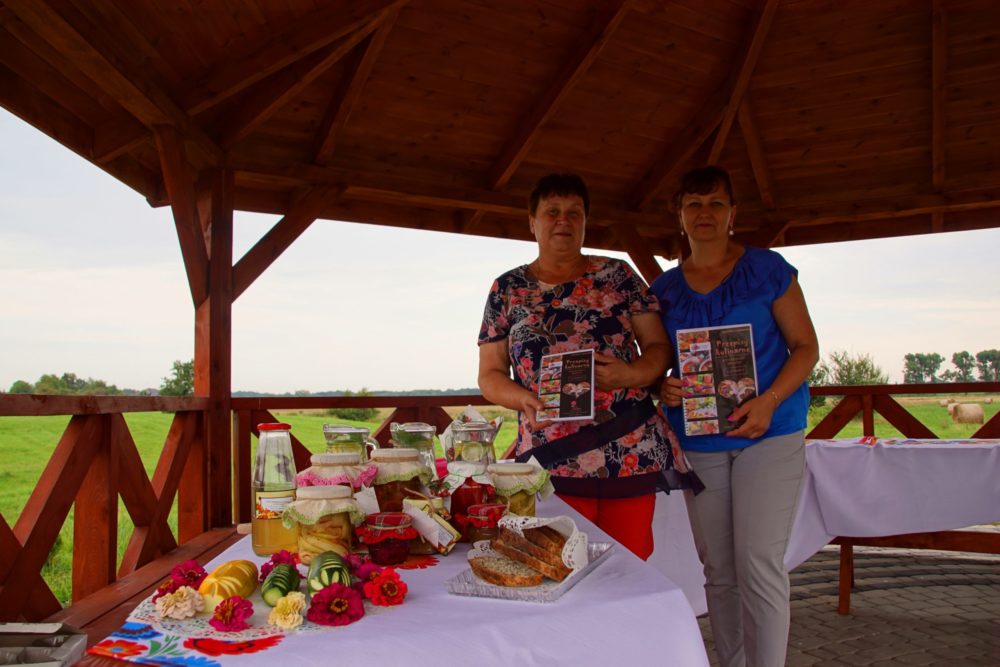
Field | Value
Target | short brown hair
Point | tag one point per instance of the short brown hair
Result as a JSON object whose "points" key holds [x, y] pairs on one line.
{"points": [[703, 180], [561, 185]]}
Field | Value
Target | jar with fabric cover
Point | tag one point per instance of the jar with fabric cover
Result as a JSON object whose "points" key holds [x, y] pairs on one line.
{"points": [[387, 535], [325, 517], [418, 436], [517, 484], [481, 521], [467, 484], [342, 438], [332, 469], [401, 474]]}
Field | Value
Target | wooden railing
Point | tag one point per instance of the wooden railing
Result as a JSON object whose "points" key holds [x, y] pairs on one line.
{"points": [[96, 461]]}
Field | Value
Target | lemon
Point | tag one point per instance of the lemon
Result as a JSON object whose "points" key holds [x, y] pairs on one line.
{"points": [[472, 451]]}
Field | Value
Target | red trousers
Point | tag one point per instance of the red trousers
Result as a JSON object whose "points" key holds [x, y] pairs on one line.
{"points": [[628, 520]]}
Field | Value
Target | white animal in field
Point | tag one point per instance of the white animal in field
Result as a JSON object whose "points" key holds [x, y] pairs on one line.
{"points": [[951, 409], [968, 413]]}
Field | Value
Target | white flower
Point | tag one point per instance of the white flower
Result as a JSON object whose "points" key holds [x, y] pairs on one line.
{"points": [[287, 613], [183, 603]]}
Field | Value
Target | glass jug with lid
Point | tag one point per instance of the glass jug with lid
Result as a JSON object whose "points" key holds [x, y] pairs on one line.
{"points": [[343, 439], [472, 442], [418, 436]]}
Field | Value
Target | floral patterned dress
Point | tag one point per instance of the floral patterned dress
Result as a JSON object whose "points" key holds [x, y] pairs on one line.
{"points": [[592, 312]]}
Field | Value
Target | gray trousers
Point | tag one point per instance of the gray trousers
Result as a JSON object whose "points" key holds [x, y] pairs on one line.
{"points": [[741, 523]]}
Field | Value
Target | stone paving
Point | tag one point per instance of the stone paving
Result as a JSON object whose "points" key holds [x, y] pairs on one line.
{"points": [[909, 607]]}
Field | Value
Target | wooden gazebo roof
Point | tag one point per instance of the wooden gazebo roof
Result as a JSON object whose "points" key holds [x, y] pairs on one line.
{"points": [[839, 120]]}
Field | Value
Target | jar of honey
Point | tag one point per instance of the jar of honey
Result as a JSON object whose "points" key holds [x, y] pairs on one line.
{"points": [[387, 535], [401, 474], [325, 517], [517, 484]]}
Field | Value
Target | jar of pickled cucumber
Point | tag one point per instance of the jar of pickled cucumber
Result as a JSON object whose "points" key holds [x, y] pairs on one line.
{"points": [[517, 484], [401, 474], [472, 442], [325, 517]]}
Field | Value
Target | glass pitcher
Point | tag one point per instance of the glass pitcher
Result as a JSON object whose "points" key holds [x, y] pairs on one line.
{"points": [[342, 439], [472, 442], [418, 436]]}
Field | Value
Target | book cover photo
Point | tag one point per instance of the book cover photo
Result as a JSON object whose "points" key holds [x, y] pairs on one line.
{"points": [[720, 371], [565, 386]]}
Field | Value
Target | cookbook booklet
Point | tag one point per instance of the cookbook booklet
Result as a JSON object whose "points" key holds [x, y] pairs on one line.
{"points": [[565, 386], [719, 370]]}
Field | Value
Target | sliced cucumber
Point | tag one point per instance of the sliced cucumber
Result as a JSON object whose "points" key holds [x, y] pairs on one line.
{"points": [[280, 581], [327, 568]]}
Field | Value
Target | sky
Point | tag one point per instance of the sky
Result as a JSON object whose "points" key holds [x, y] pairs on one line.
{"points": [[92, 282]]}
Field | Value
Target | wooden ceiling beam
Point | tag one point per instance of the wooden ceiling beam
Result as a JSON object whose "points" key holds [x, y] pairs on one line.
{"points": [[180, 184], [150, 105], [746, 67], [268, 96], [349, 92], [939, 64], [576, 66], [280, 237], [117, 136], [755, 149], [24, 100], [241, 68]]}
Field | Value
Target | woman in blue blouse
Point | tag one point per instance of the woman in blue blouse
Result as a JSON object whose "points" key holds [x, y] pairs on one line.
{"points": [[752, 474]]}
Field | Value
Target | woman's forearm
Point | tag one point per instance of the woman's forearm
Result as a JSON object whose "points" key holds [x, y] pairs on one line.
{"points": [[794, 372], [500, 389], [651, 364]]}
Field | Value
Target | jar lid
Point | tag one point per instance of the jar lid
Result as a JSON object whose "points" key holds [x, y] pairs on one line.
{"points": [[274, 427], [338, 458], [511, 468], [388, 520], [475, 427], [343, 428], [323, 492], [390, 454], [413, 427]]}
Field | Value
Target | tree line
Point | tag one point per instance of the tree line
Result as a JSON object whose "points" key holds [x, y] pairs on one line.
{"points": [[922, 368]]}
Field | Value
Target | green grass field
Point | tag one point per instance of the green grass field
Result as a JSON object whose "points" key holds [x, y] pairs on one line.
{"points": [[26, 443]]}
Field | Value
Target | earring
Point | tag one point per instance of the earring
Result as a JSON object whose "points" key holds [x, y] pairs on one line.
{"points": [[682, 231], [731, 232]]}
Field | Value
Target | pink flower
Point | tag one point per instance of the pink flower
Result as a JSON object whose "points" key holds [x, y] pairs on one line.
{"points": [[189, 573], [336, 605], [354, 562], [283, 556], [591, 461], [166, 588], [231, 614], [368, 571]]}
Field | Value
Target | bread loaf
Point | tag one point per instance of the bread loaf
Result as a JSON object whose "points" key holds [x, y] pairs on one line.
{"points": [[547, 538], [555, 572], [504, 571]]}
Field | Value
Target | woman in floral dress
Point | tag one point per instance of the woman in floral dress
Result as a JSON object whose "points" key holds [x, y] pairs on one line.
{"points": [[610, 467]]}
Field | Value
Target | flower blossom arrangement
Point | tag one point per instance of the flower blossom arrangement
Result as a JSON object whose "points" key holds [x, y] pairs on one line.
{"points": [[231, 614], [342, 605], [189, 573], [283, 556]]}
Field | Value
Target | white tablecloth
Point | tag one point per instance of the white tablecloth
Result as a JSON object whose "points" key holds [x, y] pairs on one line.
{"points": [[855, 489], [623, 612]]}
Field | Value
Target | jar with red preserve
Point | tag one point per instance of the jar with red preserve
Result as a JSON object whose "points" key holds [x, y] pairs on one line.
{"points": [[401, 474], [468, 485], [387, 535], [481, 521]]}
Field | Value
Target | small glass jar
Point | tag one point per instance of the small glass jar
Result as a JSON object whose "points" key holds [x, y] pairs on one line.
{"points": [[325, 517], [472, 442], [342, 439], [401, 474], [517, 483], [332, 469], [388, 536], [482, 521], [418, 436]]}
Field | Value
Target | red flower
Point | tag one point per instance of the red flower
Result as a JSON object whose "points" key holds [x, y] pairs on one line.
{"points": [[189, 573], [368, 571], [231, 614], [216, 647], [336, 605], [630, 460], [167, 587], [117, 648], [283, 556], [386, 589]]}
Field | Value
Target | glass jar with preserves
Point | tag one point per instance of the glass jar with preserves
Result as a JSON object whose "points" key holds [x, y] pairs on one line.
{"points": [[333, 469], [481, 521], [387, 535], [273, 490], [467, 484], [350, 439], [418, 436], [472, 442], [325, 517], [517, 484], [401, 474]]}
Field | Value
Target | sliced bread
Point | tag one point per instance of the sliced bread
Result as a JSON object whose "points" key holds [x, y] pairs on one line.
{"points": [[550, 571], [547, 538], [553, 559], [504, 571]]}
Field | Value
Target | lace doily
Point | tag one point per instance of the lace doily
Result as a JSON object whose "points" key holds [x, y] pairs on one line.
{"points": [[401, 472], [507, 482], [574, 553], [459, 471]]}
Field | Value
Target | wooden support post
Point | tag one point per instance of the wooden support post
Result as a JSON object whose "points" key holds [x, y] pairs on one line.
{"points": [[243, 465], [95, 518], [846, 577], [192, 489], [867, 415]]}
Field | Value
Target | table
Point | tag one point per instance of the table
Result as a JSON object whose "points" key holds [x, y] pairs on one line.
{"points": [[623, 612], [852, 488]]}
